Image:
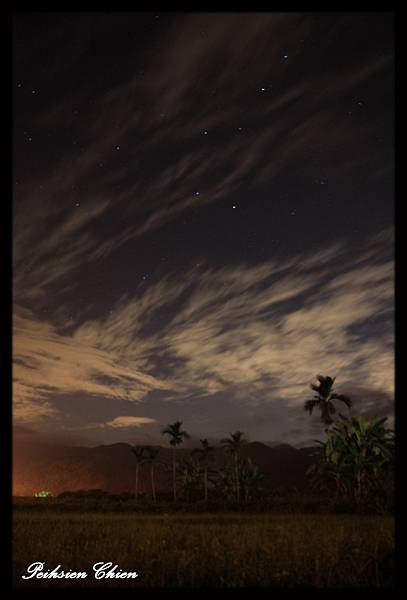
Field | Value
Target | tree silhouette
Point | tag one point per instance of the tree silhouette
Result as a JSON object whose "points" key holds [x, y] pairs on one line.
{"points": [[233, 445], [189, 475], [357, 457], [138, 452], [150, 458], [176, 437], [206, 456], [251, 479], [324, 399]]}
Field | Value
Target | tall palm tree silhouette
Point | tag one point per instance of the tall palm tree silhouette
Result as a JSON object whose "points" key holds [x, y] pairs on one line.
{"points": [[205, 456], [138, 452], [233, 445], [150, 458], [176, 437], [323, 400]]}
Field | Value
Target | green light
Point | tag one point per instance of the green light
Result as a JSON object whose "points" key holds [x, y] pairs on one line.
{"points": [[43, 494]]}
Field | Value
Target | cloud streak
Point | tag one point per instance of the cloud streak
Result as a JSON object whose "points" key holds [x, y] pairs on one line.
{"points": [[252, 332], [117, 161]]}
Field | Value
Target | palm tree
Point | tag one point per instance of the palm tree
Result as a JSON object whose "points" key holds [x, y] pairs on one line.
{"points": [[177, 436], [151, 459], [138, 452], [323, 400], [205, 456], [233, 445]]}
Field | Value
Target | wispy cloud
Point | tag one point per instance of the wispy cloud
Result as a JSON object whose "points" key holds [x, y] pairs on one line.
{"points": [[257, 333], [47, 364]]}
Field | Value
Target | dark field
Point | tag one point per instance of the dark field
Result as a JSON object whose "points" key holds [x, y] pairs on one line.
{"points": [[208, 550]]}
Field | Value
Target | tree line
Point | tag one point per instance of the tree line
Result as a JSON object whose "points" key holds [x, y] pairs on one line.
{"points": [[356, 460]]}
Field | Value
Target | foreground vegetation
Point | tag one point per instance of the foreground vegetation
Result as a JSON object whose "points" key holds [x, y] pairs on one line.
{"points": [[356, 463], [209, 550]]}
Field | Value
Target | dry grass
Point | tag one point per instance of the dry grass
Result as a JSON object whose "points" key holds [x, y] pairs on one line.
{"points": [[209, 550]]}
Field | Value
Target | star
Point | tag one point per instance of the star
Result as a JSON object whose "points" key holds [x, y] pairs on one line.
{"points": [[33, 91], [77, 203], [196, 193], [234, 206], [117, 147], [205, 132], [285, 56]]}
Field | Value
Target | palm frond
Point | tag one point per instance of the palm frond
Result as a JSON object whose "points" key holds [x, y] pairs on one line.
{"points": [[309, 405], [138, 452], [345, 399]]}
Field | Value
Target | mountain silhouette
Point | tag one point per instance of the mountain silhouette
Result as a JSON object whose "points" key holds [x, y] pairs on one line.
{"points": [[112, 467]]}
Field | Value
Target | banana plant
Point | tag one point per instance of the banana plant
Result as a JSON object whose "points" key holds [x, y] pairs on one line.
{"points": [[226, 481], [358, 455], [251, 478], [189, 476]]}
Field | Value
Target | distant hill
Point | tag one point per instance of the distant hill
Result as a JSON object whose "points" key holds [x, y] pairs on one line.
{"points": [[112, 468]]}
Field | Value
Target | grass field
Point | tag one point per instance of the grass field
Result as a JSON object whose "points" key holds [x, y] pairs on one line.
{"points": [[208, 550]]}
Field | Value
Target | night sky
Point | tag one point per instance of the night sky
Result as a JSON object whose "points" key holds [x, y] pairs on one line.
{"points": [[203, 213]]}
